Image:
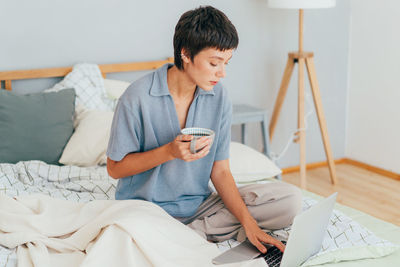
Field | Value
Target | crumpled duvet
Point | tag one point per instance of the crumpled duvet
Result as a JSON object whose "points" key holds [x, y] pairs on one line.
{"points": [[56, 232]]}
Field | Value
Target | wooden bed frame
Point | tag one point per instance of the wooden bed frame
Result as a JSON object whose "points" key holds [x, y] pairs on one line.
{"points": [[7, 77]]}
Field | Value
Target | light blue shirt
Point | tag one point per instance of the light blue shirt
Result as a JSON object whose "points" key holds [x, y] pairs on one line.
{"points": [[146, 118]]}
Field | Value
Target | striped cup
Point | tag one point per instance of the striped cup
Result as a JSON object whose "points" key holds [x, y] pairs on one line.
{"points": [[197, 133]]}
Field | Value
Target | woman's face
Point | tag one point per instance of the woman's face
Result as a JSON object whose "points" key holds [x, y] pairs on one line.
{"points": [[207, 67]]}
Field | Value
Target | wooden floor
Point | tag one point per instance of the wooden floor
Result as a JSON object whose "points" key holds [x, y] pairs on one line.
{"points": [[358, 188]]}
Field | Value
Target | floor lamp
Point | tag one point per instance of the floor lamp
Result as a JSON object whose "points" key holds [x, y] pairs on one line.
{"points": [[303, 59]]}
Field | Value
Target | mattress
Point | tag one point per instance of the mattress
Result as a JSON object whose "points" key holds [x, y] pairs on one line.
{"points": [[85, 184]]}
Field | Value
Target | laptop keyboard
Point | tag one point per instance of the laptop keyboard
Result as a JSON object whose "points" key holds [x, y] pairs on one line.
{"points": [[273, 256]]}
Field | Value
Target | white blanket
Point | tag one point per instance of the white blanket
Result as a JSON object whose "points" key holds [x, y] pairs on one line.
{"points": [[55, 232]]}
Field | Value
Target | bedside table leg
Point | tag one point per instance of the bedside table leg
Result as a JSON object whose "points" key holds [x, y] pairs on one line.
{"points": [[244, 134], [265, 137]]}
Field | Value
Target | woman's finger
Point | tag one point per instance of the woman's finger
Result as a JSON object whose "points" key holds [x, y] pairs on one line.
{"points": [[184, 137], [280, 246], [203, 152], [188, 156], [258, 245], [203, 148], [275, 242], [202, 143]]}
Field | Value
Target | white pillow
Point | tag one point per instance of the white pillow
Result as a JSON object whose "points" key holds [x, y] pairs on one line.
{"points": [[248, 165], [115, 88], [347, 240], [88, 83], [88, 144]]}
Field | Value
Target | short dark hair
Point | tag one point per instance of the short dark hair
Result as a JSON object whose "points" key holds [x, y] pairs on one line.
{"points": [[200, 28]]}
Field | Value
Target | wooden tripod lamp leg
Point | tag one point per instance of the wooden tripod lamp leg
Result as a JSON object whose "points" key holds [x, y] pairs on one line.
{"points": [[301, 125], [321, 118], [281, 95]]}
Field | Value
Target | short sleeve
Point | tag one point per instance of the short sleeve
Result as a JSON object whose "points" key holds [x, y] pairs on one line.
{"points": [[224, 137], [125, 133]]}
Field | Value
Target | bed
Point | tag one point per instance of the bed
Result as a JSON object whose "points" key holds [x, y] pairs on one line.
{"points": [[71, 170]]}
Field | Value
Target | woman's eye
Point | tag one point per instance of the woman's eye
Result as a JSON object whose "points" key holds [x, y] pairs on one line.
{"points": [[212, 64]]}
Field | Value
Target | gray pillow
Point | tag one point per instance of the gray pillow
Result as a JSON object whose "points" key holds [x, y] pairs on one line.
{"points": [[35, 126]]}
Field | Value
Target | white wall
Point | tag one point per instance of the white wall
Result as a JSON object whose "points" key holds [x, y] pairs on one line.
{"points": [[52, 33], [373, 126]]}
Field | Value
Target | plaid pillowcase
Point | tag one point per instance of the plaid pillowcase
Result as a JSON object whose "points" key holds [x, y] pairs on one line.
{"points": [[88, 83]]}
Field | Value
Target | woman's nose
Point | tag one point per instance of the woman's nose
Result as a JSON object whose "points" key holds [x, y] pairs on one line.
{"points": [[221, 73]]}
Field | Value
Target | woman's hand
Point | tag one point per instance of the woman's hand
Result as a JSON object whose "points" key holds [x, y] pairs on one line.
{"points": [[256, 236], [180, 148]]}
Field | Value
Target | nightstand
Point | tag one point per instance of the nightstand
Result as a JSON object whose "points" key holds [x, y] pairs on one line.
{"points": [[243, 114]]}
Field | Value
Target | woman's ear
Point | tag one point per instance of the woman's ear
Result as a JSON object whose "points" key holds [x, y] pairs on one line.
{"points": [[184, 56]]}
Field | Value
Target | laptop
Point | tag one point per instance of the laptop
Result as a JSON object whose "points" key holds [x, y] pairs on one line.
{"points": [[305, 239]]}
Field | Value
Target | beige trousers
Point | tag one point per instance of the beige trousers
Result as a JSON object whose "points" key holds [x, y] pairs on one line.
{"points": [[273, 206]]}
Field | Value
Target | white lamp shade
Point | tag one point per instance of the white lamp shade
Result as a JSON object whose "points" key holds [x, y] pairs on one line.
{"points": [[301, 4]]}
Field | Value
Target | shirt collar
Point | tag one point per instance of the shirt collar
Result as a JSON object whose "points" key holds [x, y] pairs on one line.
{"points": [[160, 85]]}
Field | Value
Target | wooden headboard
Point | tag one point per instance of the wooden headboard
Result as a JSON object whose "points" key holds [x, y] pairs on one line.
{"points": [[8, 76]]}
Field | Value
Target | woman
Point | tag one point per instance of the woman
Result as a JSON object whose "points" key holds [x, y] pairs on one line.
{"points": [[152, 160]]}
